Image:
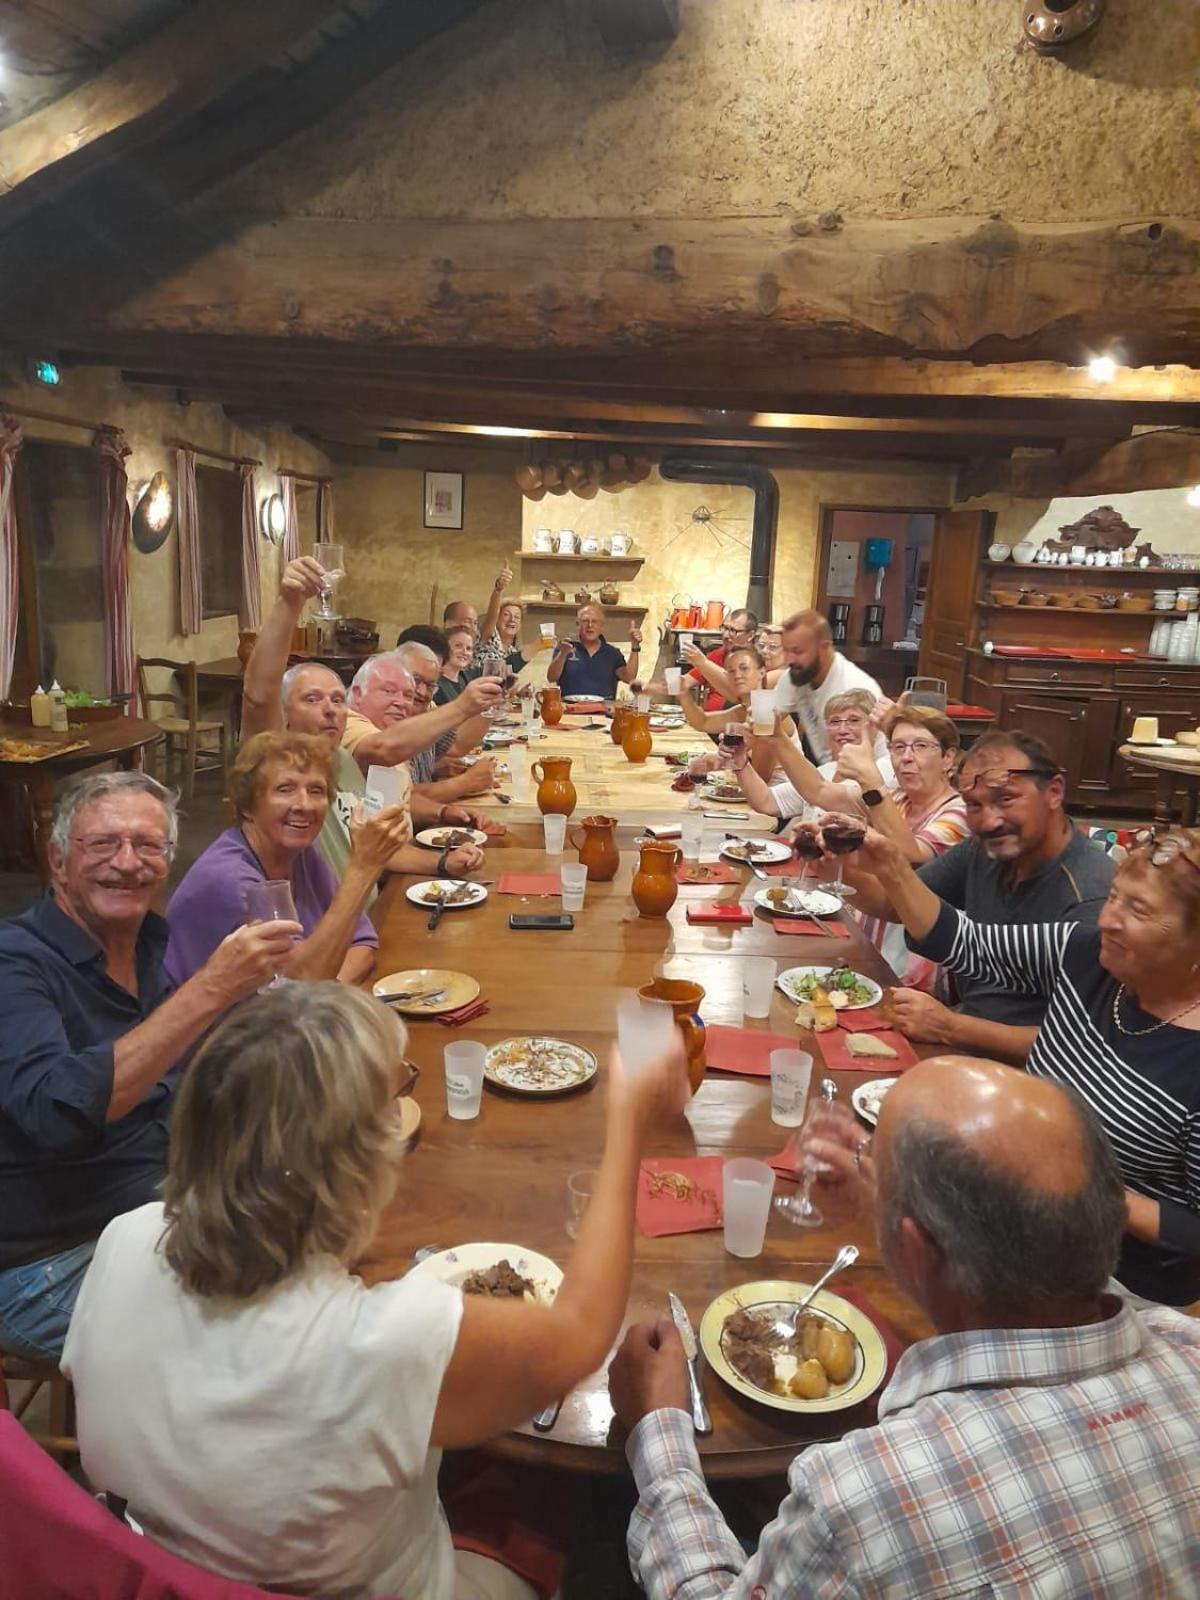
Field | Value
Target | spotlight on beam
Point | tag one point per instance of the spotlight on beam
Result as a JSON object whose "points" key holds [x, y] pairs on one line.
{"points": [[1102, 368]]}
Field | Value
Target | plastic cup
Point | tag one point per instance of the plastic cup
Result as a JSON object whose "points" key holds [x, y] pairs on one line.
{"points": [[642, 701], [762, 710], [581, 1186], [673, 677], [384, 787], [573, 876], [546, 629], [686, 641], [791, 1073], [758, 984], [464, 1078], [691, 835], [748, 1186], [645, 1030], [554, 827]]}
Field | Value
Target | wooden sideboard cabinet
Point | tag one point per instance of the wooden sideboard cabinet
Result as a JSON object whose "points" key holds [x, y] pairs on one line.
{"points": [[1084, 710]]}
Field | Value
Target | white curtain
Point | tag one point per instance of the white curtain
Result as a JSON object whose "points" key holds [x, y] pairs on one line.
{"points": [[250, 615], [191, 591], [10, 563], [291, 526]]}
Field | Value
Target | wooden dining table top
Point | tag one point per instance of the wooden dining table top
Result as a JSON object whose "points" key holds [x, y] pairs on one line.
{"points": [[503, 1176]]}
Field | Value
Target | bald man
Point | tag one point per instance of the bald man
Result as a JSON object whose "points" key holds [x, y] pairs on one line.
{"points": [[1043, 1442], [815, 673]]}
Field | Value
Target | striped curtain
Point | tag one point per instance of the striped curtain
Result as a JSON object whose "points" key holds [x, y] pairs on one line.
{"points": [[250, 615], [10, 563], [116, 533], [291, 525], [191, 579], [325, 533]]}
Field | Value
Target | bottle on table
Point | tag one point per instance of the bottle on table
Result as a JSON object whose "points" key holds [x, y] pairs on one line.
{"points": [[58, 707], [39, 708]]}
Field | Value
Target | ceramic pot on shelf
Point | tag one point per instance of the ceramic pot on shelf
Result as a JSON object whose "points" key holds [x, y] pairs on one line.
{"points": [[543, 542], [550, 704], [1024, 552], [598, 851], [583, 597], [654, 887], [555, 791], [590, 545], [609, 594], [622, 712], [636, 739], [714, 615], [684, 1000], [552, 592], [567, 542]]}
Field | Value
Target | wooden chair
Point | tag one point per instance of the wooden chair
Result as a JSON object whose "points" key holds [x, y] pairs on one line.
{"points": [[183, 734], [60, 1440]]}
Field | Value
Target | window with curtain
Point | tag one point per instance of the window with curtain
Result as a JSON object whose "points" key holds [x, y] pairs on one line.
{"points": [[306, 515], [219, 511], [60, 627]]}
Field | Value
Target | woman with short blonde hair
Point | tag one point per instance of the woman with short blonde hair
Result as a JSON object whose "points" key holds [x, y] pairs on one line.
{"points": [[267, 1413], [281, 784]]}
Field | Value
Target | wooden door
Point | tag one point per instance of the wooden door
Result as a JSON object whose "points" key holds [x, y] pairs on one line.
{"points": [[959, 537], [1059, 720]]}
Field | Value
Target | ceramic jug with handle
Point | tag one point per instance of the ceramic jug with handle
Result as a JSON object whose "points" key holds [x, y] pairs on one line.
{"points": [[654, 886], [684, 1000], [622, 712], [598, 851], [550, 704], [636, 739], [555, 791]]}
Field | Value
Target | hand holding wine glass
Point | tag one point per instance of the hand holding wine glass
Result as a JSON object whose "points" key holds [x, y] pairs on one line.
{"points": [[330, 559], [271, 901]]}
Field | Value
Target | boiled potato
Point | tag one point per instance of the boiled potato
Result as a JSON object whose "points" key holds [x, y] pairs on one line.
{"points": [[810, 1382], [809, 1332], [835, 1352]]}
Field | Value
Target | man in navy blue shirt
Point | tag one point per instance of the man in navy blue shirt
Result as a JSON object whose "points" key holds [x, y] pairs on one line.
{"points": [[589, 665], [90, 1037]]}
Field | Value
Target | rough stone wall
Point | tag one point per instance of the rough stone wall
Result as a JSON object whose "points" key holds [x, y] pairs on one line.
{"points": [[873, 108]]}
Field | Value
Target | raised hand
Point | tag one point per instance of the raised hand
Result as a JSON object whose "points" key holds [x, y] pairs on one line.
{"points": [[856, 762], [482, 694], [248, 958], [374, 840], [302, 580]]}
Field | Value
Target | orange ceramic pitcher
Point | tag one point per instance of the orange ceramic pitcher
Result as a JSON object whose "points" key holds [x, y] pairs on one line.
{"points": [[622, 711], [598, 852], [654, 885], [555, 791], [636, 740], [684, 1000], [550, 701]]}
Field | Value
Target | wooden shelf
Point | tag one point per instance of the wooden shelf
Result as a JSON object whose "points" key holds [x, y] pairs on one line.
{"points": [[630, 564], [1180, 574], [574, 605], [1087, 611]]}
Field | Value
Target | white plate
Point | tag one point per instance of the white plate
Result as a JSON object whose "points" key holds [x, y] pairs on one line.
{"points": [[767, 852], [452, 1266], [866, 1098], [1160, 742], [417, 892], [711, 794], [583, 699], [805, 903], [578, 1067], [432, 836], [874, 996]]}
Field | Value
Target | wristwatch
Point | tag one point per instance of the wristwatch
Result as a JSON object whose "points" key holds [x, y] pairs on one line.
{"points": [[872, 797]]}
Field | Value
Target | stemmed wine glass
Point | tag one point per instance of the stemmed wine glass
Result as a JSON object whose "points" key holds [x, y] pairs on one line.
{"points": [[330, 558], [806, 842], [271, 901], [842, 836], [799, 1208]]}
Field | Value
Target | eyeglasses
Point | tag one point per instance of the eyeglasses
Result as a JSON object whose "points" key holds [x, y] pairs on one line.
{"points": [[103, 846], [994, 779], [409, 1082], [919, 747], [857, 723], [1170, 848]]}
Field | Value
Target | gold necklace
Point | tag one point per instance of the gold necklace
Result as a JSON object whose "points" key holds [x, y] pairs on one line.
{"points": [[1137, 1033]]}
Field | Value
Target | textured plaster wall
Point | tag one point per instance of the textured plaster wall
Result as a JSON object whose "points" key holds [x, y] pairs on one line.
{"points": [[1163, 515], [98, 395], [879, 108]]}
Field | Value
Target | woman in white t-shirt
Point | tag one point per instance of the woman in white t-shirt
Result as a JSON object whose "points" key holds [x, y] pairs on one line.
{"points": [[806, 790], [265, 1413]]}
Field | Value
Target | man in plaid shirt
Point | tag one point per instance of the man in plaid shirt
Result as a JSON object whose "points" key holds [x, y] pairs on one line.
{"points": [[1043, 1443]]}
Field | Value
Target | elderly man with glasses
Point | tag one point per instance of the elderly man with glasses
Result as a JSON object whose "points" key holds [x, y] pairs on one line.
{"points": [[91, 1041]]}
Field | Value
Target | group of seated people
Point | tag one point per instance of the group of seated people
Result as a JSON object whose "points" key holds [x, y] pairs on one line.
{"points": [[194, 1159]]}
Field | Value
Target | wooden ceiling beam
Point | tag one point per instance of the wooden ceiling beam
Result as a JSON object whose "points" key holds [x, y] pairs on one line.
{"points": [[144, 92]]}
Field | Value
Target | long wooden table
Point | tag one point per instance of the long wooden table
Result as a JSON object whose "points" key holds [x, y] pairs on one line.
{"points": [[503, 1176], [1177, 769]]}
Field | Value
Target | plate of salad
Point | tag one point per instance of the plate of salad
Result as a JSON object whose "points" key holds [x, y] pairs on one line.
{"points": [[846, 990]]}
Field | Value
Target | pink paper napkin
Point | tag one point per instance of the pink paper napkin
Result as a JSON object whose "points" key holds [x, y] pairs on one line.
{"points": [[723, 911], [662, 1213], [494, 830], [742, 1050], [783, 1163], [467, 1013], [529, 883], [836, 1055], [837, 930], [865, 1021], [705, 872]]}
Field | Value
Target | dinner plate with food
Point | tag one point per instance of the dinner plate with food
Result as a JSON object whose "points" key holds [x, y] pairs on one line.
{"points": [[451, 838], [539, 1066], [762, 852], [426, 991], [499, 1271], [821, 992], [449, 893], [826, 1358], [724, 790], [785, 902], [866, 1098]]}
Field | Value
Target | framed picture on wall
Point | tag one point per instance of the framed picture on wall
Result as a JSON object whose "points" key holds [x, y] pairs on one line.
{"points": [[443, 499]]}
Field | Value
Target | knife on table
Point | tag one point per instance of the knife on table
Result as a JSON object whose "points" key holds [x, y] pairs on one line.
{"points": [[701, 1420], [435, 916]]}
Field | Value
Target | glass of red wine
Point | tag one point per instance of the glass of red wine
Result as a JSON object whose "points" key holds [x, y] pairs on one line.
{"points": [[806, 841], [842, 836]]}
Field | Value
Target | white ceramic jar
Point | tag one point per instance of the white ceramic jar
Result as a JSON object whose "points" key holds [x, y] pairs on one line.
{"points": [[543, 542], [567, 543], [591, 545], [620, 544], [1024, 552]]}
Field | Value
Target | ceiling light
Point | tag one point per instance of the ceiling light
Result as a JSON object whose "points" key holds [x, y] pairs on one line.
{"points": [[1193, 496], [1102, 368]]}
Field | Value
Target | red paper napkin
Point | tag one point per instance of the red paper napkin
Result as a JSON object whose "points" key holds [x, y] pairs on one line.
{"points": [[466, 1013], [836, 1055], [705, 872], [586, 708], [660, 1214], [494, 830], [683, 784], [783, 1162], [836, 930], [529, 883], [722, 911], [864, 1021], [741, 1050]]}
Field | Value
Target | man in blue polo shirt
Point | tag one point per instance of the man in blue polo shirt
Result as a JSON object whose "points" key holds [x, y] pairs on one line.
{"points": [[90, 1044], [589, 664]]}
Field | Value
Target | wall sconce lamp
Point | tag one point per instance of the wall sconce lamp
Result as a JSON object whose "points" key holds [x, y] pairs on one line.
{"points": [[154, 513], [271, 518]]}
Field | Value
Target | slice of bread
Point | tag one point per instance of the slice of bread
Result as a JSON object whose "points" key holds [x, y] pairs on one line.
{"points": [[869, 1044], [816, 1015]]}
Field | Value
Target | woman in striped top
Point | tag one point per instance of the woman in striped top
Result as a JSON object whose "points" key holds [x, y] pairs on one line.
{"points": [[1122, 1028]]}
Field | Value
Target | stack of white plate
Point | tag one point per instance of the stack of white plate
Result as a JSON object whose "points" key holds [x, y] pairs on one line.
{"points": [[1164, 599]]}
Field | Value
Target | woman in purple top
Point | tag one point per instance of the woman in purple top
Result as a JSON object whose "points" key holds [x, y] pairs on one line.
{"points": [[280, 785]]}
